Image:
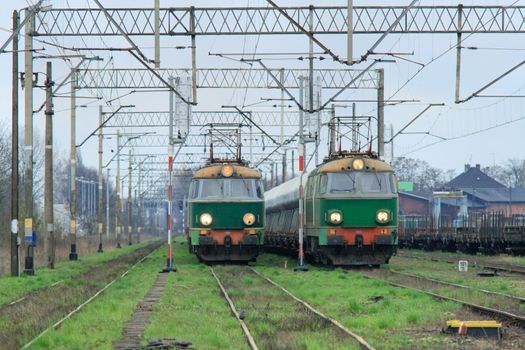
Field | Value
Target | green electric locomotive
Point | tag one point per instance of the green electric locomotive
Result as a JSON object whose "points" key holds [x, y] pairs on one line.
{"points": [[226, 212], [350, 212]]}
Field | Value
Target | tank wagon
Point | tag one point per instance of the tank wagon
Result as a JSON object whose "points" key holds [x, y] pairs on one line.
{"points": [[225, 220], [350, 215]]}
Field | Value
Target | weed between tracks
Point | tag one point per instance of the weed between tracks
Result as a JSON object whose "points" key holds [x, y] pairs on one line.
{"points": [[502, 259], [40, 309], [13, 288], [193, 309], [387, 317], [101, 321], [514, 285], [275, 320]]}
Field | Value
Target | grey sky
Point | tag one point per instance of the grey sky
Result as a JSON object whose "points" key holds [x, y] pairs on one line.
{"points": [[494, 124]]}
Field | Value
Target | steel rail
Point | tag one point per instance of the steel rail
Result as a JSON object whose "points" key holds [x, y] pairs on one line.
{"points": [[78, 308], [510, 268], [362, 342], [485, 291], [245, 329], [519, 320]]}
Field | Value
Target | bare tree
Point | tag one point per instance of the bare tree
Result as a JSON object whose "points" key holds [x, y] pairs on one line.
{"points": [[516, 172], [424, 176]]}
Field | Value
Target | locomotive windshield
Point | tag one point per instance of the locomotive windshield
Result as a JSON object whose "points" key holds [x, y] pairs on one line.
{"points": [[357, 182], [226, 188]]}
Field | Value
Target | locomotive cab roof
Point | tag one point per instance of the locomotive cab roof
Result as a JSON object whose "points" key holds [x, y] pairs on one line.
{"points": [[225, 170], [356, 162]]}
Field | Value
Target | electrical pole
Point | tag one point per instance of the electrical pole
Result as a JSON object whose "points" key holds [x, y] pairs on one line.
{"points": [[193, 55], [391, 143], [355, 134], [300, 263], [29, 267], [48, 192], [169, 259], [332, 139], [129, 199], [117, 187], [156, 21], [458, 52], [73, 172], [350, 36], [281, 141], [139, 204], [107, 204], [381, 113], [100, 182], [15, 258]]}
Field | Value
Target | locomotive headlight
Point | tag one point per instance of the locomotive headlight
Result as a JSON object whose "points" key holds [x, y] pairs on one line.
{"points": [[335, 217], [227, 171], [206, 219], [382, 216], [358, 164], [248, 219]]}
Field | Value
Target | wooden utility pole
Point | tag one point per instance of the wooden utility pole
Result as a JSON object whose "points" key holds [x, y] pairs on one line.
{"points": [[15, 258], [48, 171], [100, 182]]}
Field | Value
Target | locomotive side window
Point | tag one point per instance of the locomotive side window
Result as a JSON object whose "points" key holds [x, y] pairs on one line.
{"points": [[260, 189], [393, 183], [322, 184]]}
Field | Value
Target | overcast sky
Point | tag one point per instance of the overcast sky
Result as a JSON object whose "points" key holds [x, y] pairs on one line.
{"points": [[484, 130]]}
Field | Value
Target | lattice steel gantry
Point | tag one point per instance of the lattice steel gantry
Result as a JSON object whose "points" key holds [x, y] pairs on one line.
{"points": [[260, 20]]}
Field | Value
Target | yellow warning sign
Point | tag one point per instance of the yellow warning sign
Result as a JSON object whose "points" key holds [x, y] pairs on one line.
{"points": [[99, 227], [28, 223], [72, 226]]}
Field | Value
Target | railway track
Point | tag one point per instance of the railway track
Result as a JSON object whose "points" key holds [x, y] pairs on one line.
{"points": [[148, 250], [324, 318], [514, 298], [509, 316], [515, 269]]}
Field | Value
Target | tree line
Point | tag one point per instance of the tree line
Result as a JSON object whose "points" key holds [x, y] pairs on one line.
{"points": [[425, 177]]}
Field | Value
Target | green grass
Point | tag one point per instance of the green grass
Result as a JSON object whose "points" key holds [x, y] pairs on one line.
{"points": [[384, 315], [495, 259], [275, 320], [193, 309], [13, 288], [449, 273], [101, 321]]}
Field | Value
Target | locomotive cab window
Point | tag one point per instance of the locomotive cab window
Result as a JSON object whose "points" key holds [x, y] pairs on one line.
{"points": [[356, 182], [342, 182], [226, 188]]}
